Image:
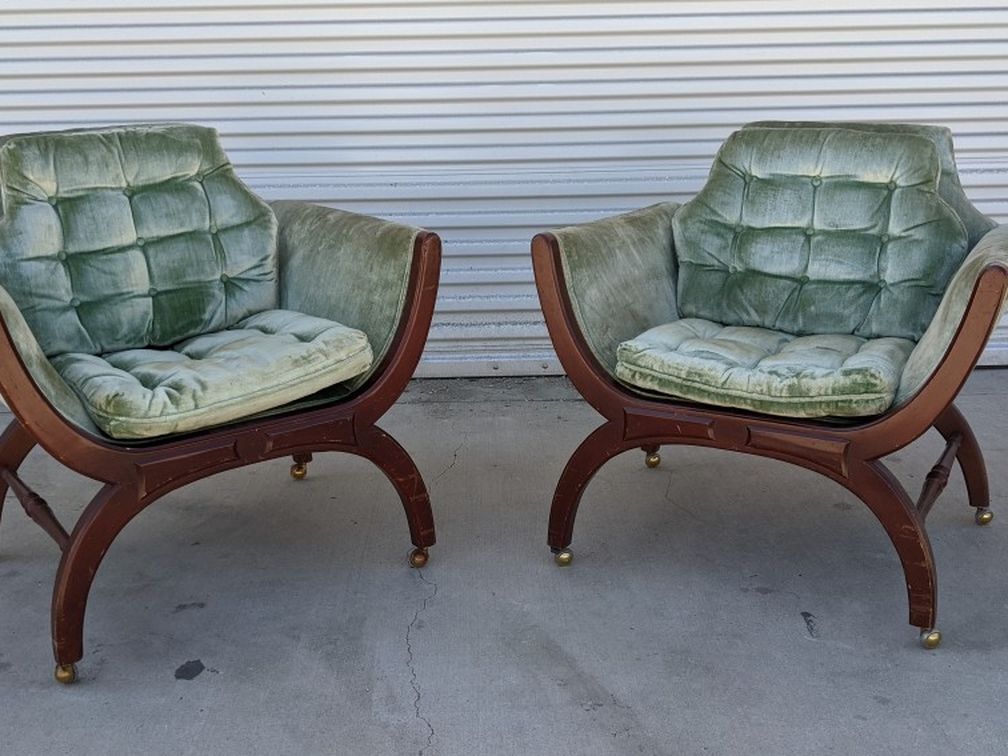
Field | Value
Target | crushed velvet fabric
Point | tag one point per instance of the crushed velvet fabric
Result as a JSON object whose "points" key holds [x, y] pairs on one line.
{"points": [[819, 230], [764, 370], [992, 249], [345, 267], [262, 361], [620, 276], [130, 236], [49, 382], [949, 187]]}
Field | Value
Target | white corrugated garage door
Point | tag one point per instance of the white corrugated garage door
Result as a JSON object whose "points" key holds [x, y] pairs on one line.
{"points": [[489, 121]]}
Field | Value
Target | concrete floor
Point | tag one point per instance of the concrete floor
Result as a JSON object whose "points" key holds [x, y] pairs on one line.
{"points": [[721, 604]]}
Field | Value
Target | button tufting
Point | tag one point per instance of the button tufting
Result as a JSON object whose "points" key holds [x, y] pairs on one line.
{"points": [[75, 302], [61, 256], [141, 241], [51, 201], [816, 181], [804, 279], [891, 185], [739, 228], [224, 277], [213, 228], [151, 291], [128, 191], [809, 231], [884, 238]]}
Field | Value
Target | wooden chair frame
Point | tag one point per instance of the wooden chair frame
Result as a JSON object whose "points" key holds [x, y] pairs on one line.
{"points": [[134, 477], [851, 454]]}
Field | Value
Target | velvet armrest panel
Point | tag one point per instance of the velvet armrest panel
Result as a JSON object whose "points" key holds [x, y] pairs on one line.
{"points": [[620, 274], [49, 382], [346, 267], [992, 249]]}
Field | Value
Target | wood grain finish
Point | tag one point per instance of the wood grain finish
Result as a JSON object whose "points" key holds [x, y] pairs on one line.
{"points": [[136, 476], [849, 454]]}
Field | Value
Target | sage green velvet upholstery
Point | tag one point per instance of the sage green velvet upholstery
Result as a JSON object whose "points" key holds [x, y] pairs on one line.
{"points": [[49, 382], [150, 293], [142, 236], [215, 377], [346, 267], [767, 371], [713, 301], [949, 187], [992, 249], [819, 230], [620, 275]]}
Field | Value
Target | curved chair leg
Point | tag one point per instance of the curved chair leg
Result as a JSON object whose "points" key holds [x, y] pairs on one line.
{"points": [[888, 501], [386, 453], [601, 445], [971, 461], [15, 444], [107, 514]]}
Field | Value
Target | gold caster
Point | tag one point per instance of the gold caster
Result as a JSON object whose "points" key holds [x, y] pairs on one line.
{"points": [[418, 557], [652, 460], [66, 673], [299, 470], [563, 557], [930, 638], [983, 516]]}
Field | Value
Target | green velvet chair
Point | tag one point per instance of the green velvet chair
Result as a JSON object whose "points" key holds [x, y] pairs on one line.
{"points": [[820, 301], [161, 323]]}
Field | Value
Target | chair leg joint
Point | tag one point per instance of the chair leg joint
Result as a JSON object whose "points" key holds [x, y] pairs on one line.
{"points": [[36, 508], [938, 476]]}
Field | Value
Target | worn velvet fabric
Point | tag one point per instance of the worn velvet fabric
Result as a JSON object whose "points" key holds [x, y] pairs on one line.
{"points": [[264, 360], [346, 267], [620, 276], [138, 263], [992, 249], [131, 236], [819, 230], [949, 187], [49, 382], [764, 370]]}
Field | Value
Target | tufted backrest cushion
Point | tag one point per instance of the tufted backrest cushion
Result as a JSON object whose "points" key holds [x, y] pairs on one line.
{"points": [[131, 236], [819, 230], [949, 187]]}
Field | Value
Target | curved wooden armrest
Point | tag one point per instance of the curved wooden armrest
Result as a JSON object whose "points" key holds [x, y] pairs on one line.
{"points": [[910, 420]]}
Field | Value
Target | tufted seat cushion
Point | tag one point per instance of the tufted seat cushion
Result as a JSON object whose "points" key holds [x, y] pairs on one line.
{"points": [[263, 361], [764, 370]]}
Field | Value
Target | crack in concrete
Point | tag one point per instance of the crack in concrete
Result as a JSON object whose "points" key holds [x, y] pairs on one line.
{"points": [[454, 459], [414, 681]]}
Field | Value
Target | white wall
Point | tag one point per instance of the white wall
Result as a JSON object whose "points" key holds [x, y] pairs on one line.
{"points": [[490, 121]]}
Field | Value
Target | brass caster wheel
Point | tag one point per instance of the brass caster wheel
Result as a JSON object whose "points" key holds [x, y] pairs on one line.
{"points": [[299, 470], [930, 638], [66, 673], [983, 516], [418, 558], [563, 557], [652, 460]]}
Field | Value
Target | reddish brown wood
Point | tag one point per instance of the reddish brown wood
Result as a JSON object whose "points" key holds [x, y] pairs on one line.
{"points": [[36, 507], [136, 476], [848, 454], [951, 423], [15, 444], [937, 477]]}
